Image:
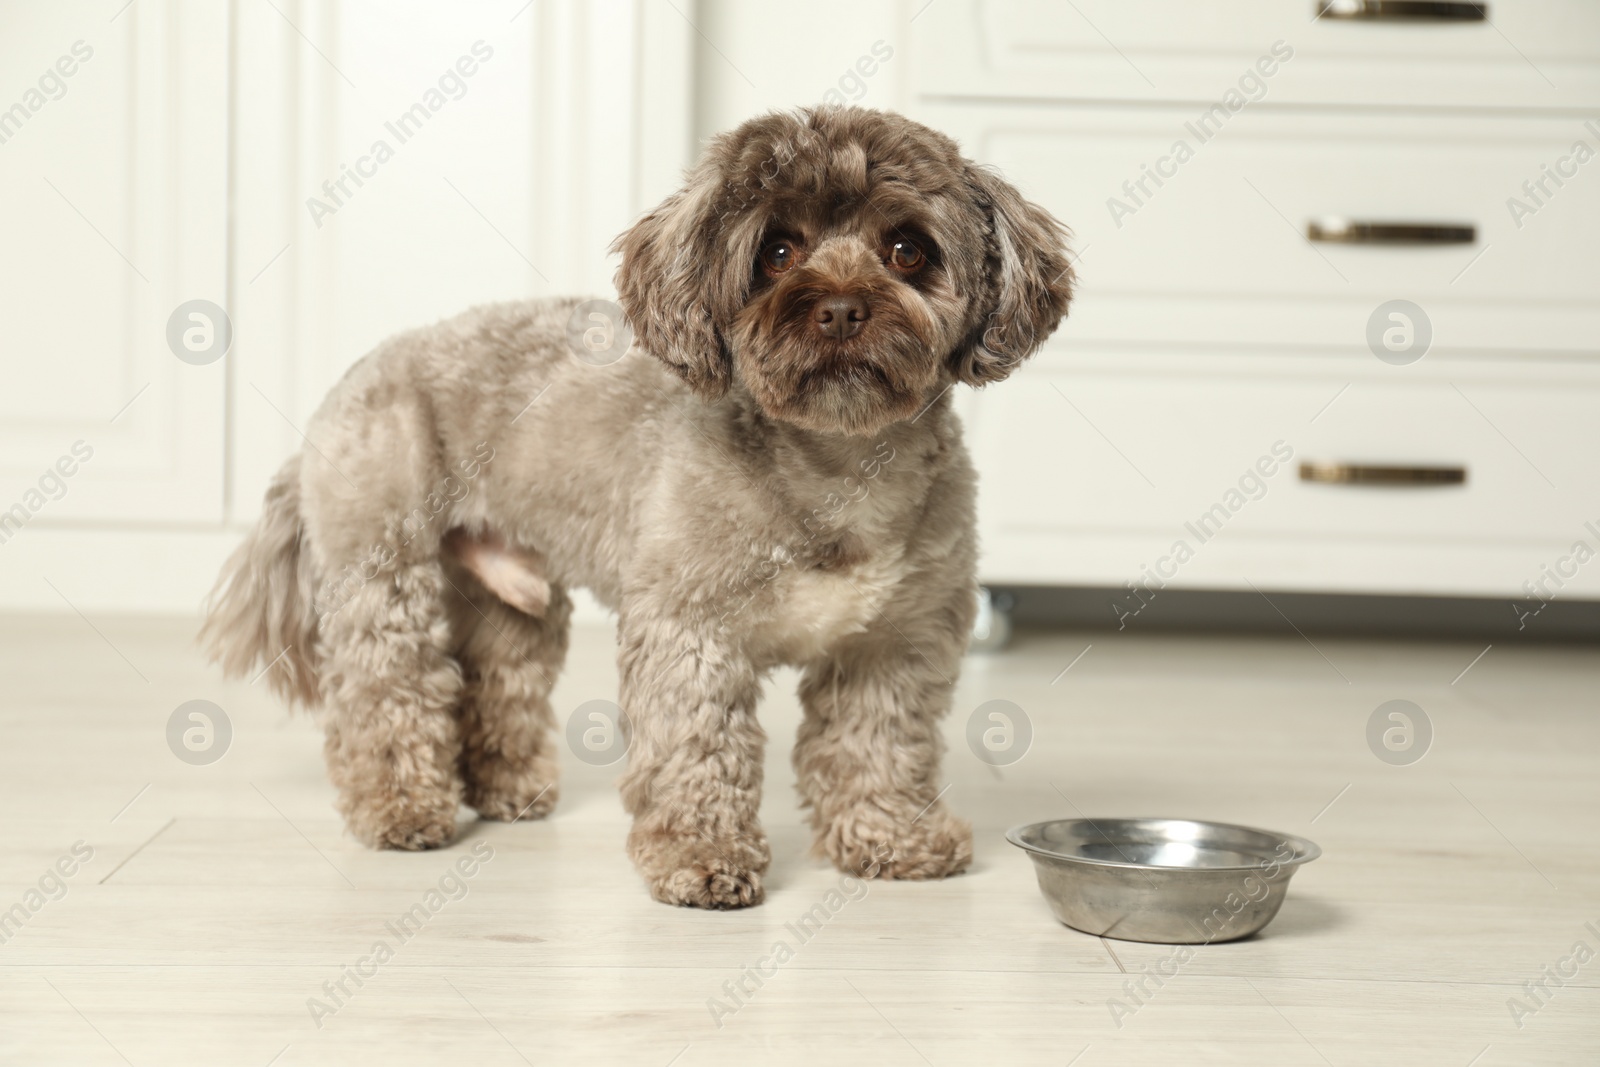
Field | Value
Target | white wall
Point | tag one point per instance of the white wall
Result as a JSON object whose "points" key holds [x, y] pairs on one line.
{"points": [[752, 57]]}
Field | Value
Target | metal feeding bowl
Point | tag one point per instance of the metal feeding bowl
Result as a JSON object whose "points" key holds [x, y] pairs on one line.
{"points": [[1173, 881]]}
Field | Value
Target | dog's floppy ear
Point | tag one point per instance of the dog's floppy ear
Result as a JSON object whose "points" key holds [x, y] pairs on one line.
{"points": [[1029, 282], [675, 285]]}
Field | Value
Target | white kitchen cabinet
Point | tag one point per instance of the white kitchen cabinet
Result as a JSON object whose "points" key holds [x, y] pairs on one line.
{"points": [[1210, 327], [230, 152]]}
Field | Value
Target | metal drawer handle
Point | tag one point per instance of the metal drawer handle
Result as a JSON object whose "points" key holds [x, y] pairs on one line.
{"points": [[1403, 10], [1336, 230], [1377, 474]]}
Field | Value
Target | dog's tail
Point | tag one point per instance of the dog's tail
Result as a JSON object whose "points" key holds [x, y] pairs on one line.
{"points": [[262, 612]]}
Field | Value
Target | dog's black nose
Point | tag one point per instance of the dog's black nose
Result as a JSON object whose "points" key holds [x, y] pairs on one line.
{"points": [[841, 315]]}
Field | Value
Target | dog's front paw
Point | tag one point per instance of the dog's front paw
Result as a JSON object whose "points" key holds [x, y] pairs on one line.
{"points": [[694, 872], [869, 843], [401, 822], [717, 885]]}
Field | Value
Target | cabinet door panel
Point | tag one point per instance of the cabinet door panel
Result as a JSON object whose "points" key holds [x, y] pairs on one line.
{"points": [[1534, 54], [1216, 253], [113, 167], [1096, 466]]}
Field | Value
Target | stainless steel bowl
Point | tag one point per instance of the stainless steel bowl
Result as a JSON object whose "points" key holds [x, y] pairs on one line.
{"points": [[1173, 881]]}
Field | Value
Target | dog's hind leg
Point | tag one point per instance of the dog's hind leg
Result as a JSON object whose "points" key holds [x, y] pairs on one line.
{"points": [[392, 689], [510, 660]]}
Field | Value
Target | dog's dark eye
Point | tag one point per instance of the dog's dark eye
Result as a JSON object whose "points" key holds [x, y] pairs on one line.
{"points": [[778, 256], [905, 255]]}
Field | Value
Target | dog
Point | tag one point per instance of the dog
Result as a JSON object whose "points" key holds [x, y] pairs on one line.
{"points": [[771, 475]]}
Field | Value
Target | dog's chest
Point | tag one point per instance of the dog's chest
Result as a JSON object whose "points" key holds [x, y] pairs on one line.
{"points": [[815, 602]]}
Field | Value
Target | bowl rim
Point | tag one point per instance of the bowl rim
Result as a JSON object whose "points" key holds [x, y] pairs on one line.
{"points": [[1305, 850]]}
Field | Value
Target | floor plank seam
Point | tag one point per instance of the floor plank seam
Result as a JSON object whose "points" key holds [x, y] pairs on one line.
{"points": [[425, 968]]}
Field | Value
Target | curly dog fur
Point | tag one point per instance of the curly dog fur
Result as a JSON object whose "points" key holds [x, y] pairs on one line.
{"points": [[771, 475]]}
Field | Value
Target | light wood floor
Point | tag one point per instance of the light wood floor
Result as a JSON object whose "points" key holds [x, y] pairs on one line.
{"points": [[220, 899]]}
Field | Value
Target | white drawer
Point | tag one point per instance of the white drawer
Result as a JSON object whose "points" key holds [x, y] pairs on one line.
{"points": [[1136, 453], [1217, 253], [1542, 54]]}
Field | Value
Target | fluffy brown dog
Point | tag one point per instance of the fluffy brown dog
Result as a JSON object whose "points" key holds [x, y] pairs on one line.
{"points": [[772, 475]]}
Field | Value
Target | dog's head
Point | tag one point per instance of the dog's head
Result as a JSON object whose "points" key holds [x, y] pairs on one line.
{"points": [[844, 266]]}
